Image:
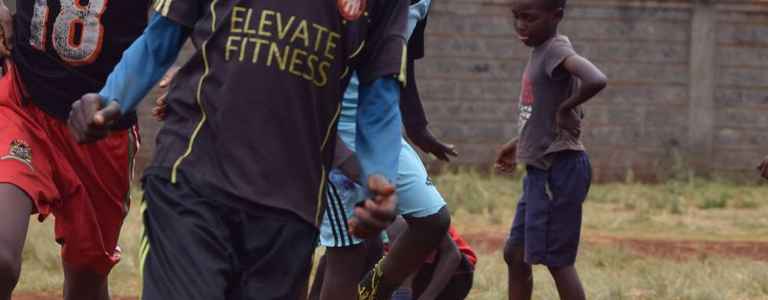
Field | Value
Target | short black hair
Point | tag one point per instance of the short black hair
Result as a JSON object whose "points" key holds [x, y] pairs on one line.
{"points": [[555, 4]]}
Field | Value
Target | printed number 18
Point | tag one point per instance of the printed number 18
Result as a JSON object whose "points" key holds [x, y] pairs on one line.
{"points": [[74, 51]]}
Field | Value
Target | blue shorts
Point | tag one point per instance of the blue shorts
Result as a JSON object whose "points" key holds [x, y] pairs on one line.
{"points": [[548, 218], [416, 195]]}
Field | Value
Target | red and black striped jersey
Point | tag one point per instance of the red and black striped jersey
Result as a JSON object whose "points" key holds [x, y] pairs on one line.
{"points": [[66, 48]]}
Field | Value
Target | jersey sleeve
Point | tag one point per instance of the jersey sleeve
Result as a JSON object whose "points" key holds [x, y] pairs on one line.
{"points": [[416, 42], [385, 52], [559, 50], [378, 135], [184, 12], [144, 63], [417, 23]]}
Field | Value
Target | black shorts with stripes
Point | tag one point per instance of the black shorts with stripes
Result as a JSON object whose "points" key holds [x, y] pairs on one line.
{"points": [[198, 247]]}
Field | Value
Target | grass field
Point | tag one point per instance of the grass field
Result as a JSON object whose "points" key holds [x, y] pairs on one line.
{"points": [[689, 239]]}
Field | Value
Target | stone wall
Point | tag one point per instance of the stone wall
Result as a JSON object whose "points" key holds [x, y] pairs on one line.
{"points": [[688, 82]]}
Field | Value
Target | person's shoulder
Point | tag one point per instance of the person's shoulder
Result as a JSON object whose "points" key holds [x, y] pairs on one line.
{"points": [[560, 41], [558, 47]]}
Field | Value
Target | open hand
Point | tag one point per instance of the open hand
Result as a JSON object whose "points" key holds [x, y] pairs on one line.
{"points": [[763, 168], [375, 214], [427, 142], [6, 32], [506, 161], [89, 121], [160, 109]]}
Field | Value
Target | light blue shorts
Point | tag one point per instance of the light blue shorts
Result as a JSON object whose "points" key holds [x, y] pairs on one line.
{"points": [[417, 197]]}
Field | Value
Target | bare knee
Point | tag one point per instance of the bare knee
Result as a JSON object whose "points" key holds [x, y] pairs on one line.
{"points": [[433, 225], [80, 283], [513, 253], [514, 257]]}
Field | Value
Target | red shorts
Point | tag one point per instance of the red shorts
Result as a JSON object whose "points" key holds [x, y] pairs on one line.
{"points": [[85, 187]]}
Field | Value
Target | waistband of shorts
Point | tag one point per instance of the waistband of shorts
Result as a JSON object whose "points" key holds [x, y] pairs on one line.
{"points": [[554, 157]]}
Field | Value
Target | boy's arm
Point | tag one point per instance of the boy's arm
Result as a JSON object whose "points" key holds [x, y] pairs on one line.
{"points": [[592, 81], [142, 65], [764, 168], [346, 161], [381, 71], [378, 131], [450, 259], [414, 116], [506, 160], [415, 119], [416, 13], [377, 139]]}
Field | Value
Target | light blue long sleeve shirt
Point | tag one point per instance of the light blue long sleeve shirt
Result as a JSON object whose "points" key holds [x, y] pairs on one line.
{"points": [[378, 134]]}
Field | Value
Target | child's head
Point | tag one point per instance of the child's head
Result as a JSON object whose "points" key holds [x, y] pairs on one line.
{"points": [[536, 20]]}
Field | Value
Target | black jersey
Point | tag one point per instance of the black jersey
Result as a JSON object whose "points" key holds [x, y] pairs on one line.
{"points": [[254, 112], [66, 48]]}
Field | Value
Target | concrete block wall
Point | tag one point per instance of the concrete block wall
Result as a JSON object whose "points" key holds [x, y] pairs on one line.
{"points": [[741, 90], [687, 82]]}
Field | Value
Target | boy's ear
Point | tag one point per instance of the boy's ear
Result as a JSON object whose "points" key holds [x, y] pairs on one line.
{"points": [[560, 13]]}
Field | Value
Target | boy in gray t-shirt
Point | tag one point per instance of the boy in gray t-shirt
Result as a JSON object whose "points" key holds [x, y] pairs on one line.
{"points": [[547, 225]]}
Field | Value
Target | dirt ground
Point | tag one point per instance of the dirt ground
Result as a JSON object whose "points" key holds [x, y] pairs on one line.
{"points": [[677, 250]]}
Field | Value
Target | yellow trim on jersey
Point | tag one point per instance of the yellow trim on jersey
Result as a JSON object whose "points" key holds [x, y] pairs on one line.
{"points": [[320, 193], [163, 6], [144, 242], [330, 127], [359, 49], [403, 66], [199, 97], [167, 7], [346, 71]]}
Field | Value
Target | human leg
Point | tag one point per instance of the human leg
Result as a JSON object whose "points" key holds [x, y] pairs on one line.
{"points": [[186, 246], [15, 208], [428, 219], [570, 180]]}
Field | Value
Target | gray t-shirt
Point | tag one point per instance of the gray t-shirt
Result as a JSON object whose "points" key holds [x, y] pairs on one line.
{"points": [[546, 84]]}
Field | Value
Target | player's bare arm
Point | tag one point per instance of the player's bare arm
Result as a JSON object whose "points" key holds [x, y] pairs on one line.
{"points": [[506, 161], [93, 114], [592, 82], [763, 168], [415, 120], [158, 112], [6, 22], [427, 142], [346, 161]]}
